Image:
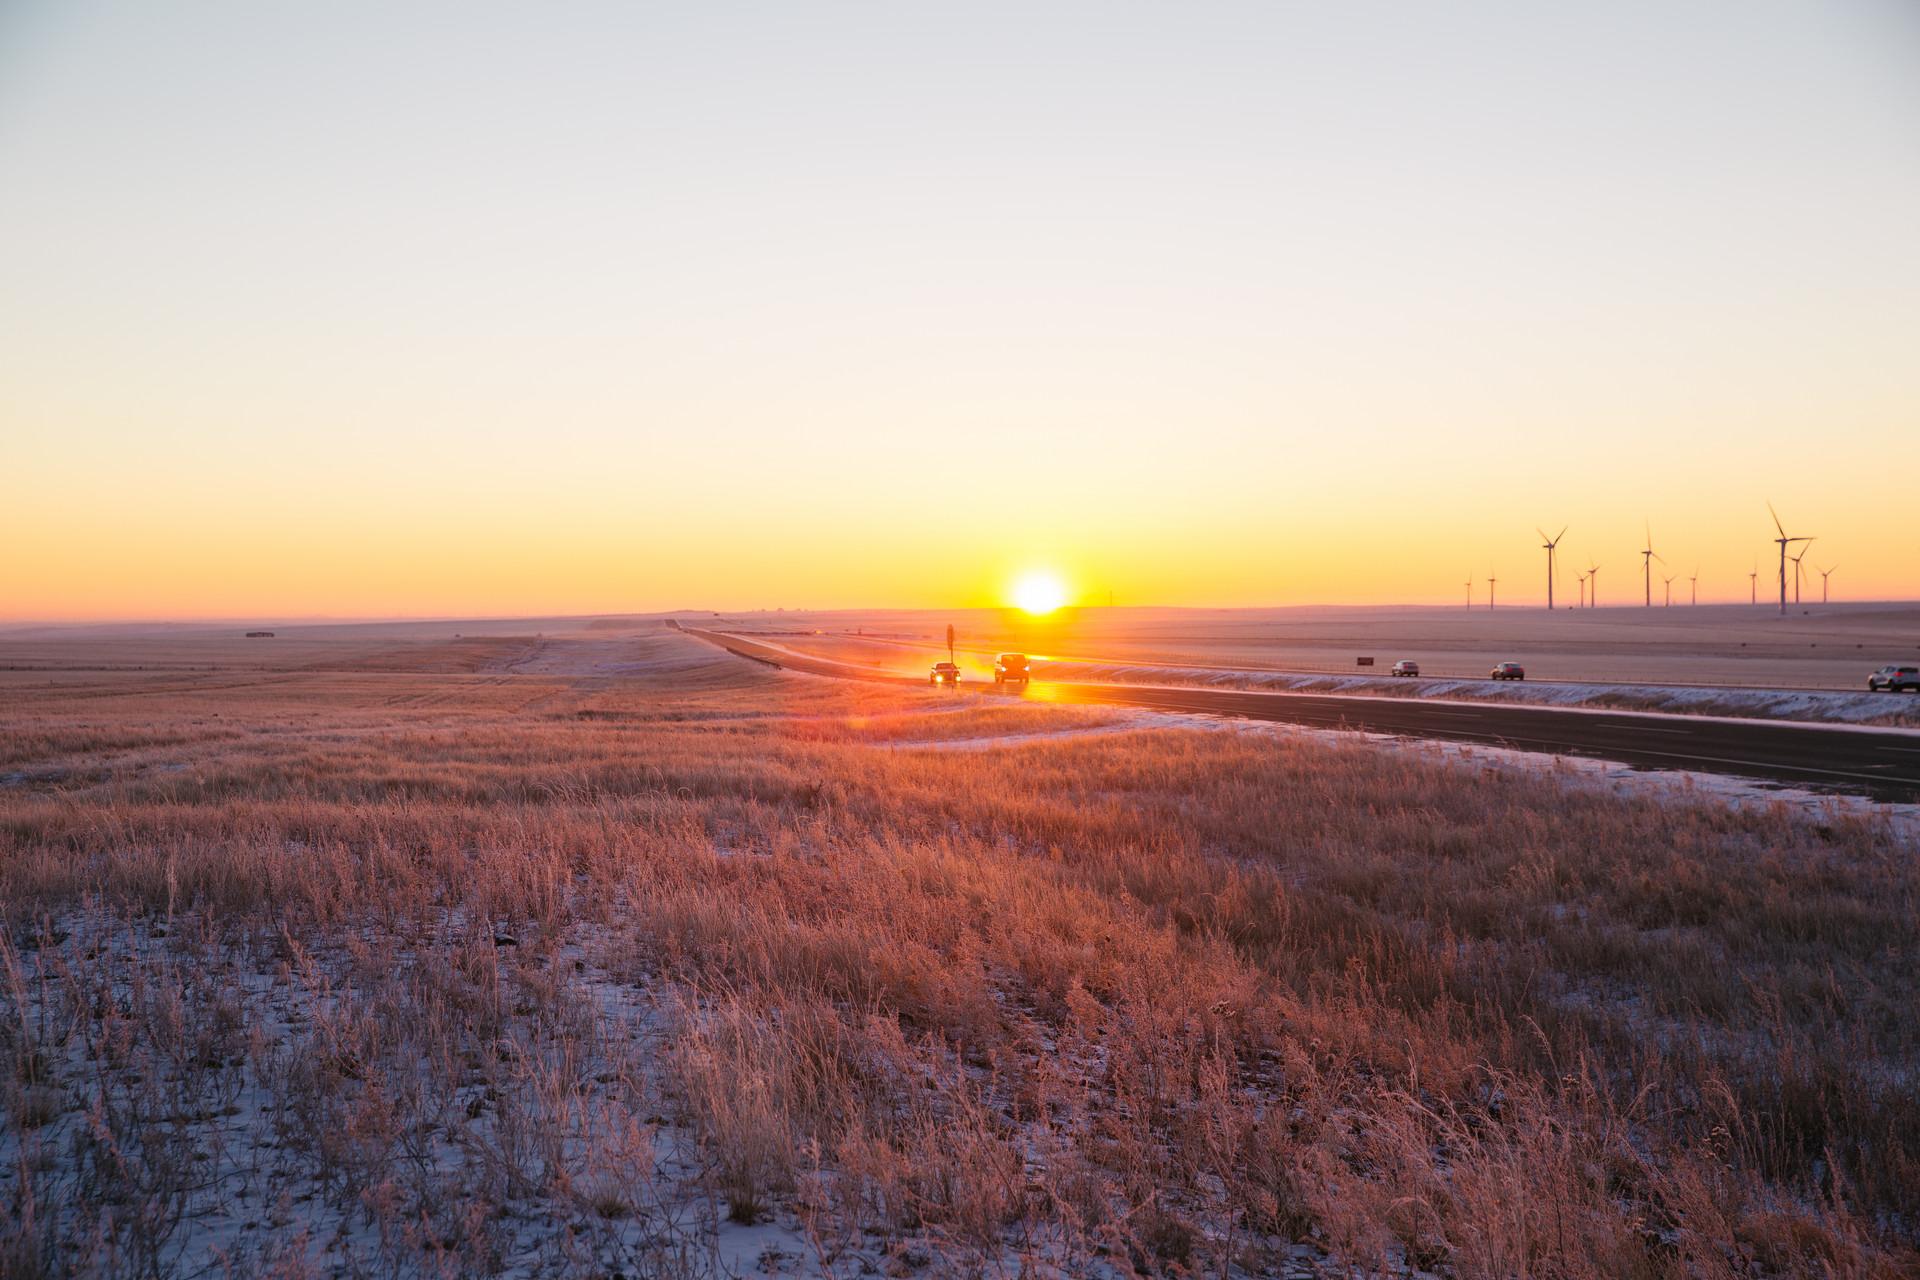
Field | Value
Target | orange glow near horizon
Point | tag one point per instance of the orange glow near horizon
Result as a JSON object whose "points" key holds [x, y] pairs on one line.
{"points": [[664, 308]]}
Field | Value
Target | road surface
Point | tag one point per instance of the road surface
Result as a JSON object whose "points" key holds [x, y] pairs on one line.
{"points": [[1883, 765]]}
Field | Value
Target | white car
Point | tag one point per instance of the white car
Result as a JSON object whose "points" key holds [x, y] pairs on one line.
{"points": [[1405, 667]]}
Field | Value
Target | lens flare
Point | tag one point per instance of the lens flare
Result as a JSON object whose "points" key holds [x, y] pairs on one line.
{"points": [[1039, 592]]}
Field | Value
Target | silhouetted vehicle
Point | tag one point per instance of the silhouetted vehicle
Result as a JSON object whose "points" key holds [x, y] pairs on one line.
{"points": [[1894, 680], [1405, 667], [1508, 671], [944, 673], [1010, 668]]}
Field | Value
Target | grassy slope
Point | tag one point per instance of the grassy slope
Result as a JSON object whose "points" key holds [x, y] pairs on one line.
{"points": [[393, 952]]}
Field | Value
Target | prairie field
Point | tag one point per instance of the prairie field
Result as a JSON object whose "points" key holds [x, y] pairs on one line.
{"points": [[1814, 646], [603, 952]]}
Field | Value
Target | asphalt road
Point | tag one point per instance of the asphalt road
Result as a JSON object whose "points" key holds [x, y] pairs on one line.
{"points": [[1882, 765]]}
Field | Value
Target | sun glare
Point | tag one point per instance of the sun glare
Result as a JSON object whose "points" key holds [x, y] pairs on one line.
{"points": [[1039, 592]]}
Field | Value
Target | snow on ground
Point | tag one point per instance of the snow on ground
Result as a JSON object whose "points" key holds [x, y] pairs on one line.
{"points": [[660, 653], [1819, 706], [1130, 722], [1624, 779], [1747, 704], [1580, 771], [255, 1133]]}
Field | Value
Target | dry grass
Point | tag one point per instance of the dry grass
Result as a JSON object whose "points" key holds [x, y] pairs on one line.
{"points": [[454, 974]]}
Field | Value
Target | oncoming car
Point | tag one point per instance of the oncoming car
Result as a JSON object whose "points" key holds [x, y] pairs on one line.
{"points": [[1895, 680], [1010, 668], [1405, 667], [1507, 671], [944, 673]]}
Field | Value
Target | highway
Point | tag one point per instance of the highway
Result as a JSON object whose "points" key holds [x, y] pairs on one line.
{"points": [[1883, 765]]}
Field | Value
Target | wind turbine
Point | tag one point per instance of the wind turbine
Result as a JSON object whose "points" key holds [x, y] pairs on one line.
{"points": [[1695, 580], [1583, 591], [1753, 583], [1823, 581], [1490, 581], [1783, 540], [1647, 558], [1593, 595], [1796, 567], [1669, 581], [1469, 591], [1550, 544]]}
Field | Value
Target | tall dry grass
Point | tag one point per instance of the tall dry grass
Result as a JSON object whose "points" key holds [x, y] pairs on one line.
{"points": [[635, 968]]}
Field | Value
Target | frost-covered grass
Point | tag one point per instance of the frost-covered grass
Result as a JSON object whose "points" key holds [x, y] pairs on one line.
{"points": [[702, 968]]}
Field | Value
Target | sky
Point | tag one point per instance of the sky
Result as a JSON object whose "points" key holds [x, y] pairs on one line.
{"points": [[364, 309]]}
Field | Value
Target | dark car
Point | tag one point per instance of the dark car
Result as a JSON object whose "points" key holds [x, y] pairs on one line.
{"points": [[1010, 668], [1405, 667], [1508, 671], [944, 673], [1895, 680]]}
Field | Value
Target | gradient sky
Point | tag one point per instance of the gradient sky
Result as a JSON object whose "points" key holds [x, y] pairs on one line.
{"points": [[369, 309]]}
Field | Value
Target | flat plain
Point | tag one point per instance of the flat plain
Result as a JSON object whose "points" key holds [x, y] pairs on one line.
{"points": [[1811, 647], [551, 949]]}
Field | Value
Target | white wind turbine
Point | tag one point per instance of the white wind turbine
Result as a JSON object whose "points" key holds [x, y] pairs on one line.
{"points": [[1784, 540], [1647, 558], [1550, 544]]}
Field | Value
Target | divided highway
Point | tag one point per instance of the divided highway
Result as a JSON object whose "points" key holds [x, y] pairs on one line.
{"points": [[1881, 764]]}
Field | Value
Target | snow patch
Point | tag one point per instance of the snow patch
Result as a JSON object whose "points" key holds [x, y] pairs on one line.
{"points": [[1816, 705]]}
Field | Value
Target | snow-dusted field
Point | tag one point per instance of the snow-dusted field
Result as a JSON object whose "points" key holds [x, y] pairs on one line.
{"points": [[1813, 705], [609, 953], [1739, 646], [1770, 704]]}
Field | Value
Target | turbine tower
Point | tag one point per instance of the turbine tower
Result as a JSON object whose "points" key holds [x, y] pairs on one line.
{"points": [[1583, 591], [1550, 544], [1796, 568], [1695, 580], [1469, 591], [1647, 558], [1784, 539], [1593, 593], [1753, 583], [1669, 581], [1490, 581], [1823, 581]]}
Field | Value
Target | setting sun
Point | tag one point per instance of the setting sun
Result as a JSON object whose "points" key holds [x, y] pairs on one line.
{"points": [[1039, 592]]}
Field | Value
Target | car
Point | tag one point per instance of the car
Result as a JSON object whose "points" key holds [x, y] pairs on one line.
{"points": [[1894, 679], [1508, 671], [1405, 667], [1010, 668], [944, 673]]}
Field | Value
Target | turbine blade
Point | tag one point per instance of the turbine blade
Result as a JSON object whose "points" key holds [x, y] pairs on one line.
{"points": [[1776, 520]]}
